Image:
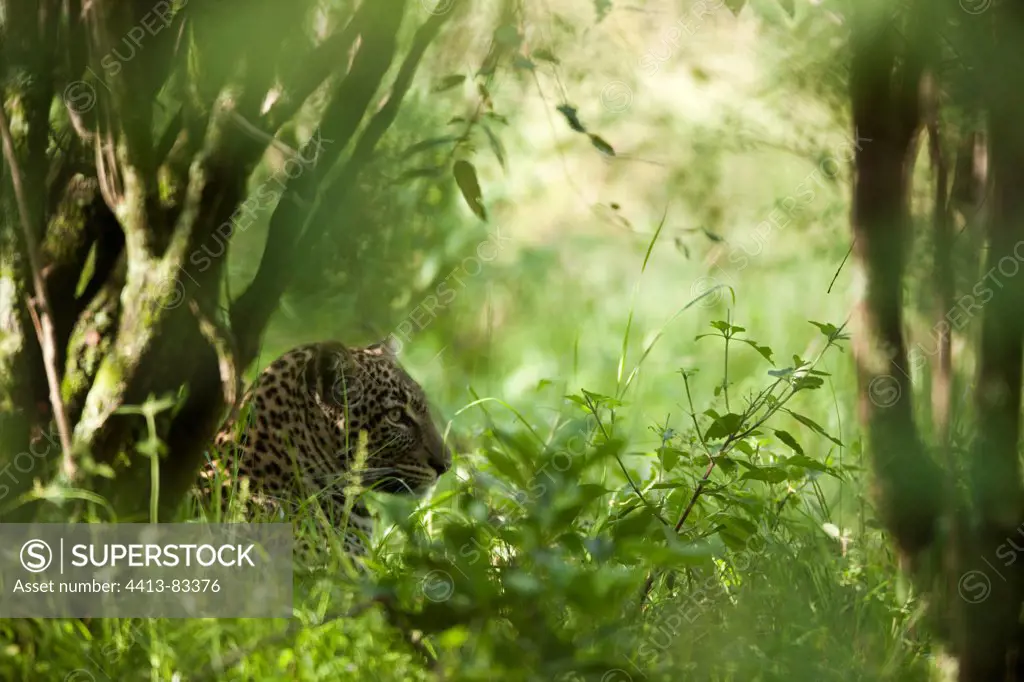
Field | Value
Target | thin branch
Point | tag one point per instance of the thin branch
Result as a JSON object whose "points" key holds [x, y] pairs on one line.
{"points": [[251, 310], [377, 126], [840, 268], [312, 71], [43, 318], [265, 138], [219, 336]]}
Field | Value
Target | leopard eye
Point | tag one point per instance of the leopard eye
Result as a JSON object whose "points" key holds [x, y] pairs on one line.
{"points": [[395, 415]]}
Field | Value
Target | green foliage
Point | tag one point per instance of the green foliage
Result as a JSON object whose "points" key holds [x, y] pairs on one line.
{"points": [[558, 551], [651, 483]]}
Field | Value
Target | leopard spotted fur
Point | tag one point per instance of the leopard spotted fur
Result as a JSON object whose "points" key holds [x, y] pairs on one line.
{"points": [[296, 434]]}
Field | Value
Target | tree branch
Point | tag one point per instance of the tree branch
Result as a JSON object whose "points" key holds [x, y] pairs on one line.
{"points": [[379, 24], [46, 331], [314, 69], [252, 310]]}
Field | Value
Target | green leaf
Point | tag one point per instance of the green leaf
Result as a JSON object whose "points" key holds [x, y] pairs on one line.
{"points": [[396, 509], [104, 470], [786, 438], [728, 329], [764, 351], [588, 492], [87, 271], [601, 145], [734, 543], [453, 638], [449, 82], [766, 474], [635, 525], [808, 382], [496, 146], [424, 145], [681, 247], [740, 527], [571, 116], [711, 235], [657, 555], [805, 462], [601, 399], [669, 458], [814, 426], [506, 466], [465, 177], [726, 464], [507, 35], [827, 329], [788, 7], [744, 447], [724, 426], [485, 94], [490, 63]]}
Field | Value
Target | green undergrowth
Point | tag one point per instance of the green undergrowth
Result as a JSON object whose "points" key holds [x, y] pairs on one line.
{"points": [[561, 548]]}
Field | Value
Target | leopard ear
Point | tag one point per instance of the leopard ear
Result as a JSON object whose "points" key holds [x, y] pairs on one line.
{"points": [[389, 347], [329, 362]]}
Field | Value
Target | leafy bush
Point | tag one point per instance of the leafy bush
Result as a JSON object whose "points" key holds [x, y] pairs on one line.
{"points": [[555, 552]]}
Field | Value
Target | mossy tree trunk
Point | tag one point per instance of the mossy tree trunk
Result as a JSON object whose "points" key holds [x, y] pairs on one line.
{"points": [[136, 127]]}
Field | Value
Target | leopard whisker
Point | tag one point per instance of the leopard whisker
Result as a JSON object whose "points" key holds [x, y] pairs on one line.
{"points": [[375, 470]]}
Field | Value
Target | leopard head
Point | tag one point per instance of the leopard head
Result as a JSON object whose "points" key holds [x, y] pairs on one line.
{"points": [[366, 390]]}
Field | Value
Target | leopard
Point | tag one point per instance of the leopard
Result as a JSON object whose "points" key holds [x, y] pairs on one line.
{"points": [[325, 422]]}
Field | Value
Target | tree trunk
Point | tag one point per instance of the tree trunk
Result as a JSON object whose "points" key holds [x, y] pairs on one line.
{"points": [[991, 627], [885, 76], [912, 493], [134, 211]]}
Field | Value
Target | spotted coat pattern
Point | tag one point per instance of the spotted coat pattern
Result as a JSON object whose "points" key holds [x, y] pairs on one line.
{"points": [[296, 436]]}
